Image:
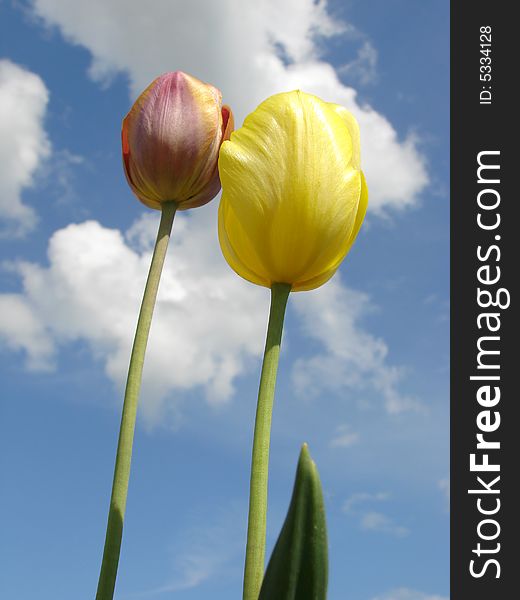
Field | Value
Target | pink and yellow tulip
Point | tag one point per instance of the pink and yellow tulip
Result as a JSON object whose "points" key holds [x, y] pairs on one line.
{"points": [[171, 139]]}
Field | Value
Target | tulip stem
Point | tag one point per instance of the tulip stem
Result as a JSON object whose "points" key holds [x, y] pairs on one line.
{"points": [[256, 526], [114, 533]]}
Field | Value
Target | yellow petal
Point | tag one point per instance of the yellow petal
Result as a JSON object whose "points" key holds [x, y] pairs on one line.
{"points": [[315, 282], [245, 261], [361, 212], [353, 128]]}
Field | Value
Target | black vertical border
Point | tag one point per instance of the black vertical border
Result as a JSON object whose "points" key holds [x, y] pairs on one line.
{"points": [[475, 128]]}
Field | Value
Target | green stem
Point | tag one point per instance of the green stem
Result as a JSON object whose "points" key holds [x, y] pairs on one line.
{"points": [[107, 577], [256, 526]]}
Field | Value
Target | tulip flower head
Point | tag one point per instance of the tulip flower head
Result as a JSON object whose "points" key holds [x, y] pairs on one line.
{"points": [[171, 138], [293, 193]]}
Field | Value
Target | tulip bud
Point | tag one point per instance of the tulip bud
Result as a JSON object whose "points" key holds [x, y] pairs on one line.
{"points": [[171, 138], [293, 193]]}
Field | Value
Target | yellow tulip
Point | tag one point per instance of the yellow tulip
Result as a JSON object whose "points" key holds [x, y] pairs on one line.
{"points": [[293, 193]]}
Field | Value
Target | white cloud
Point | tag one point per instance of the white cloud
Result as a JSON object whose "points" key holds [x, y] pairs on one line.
{"points": [[351, 357], [20, 329], [409, 594], [209, 325], [444, 486], [360, 498], [250, 51], [23, 144], [203, 332], [59, 175], [344, 437], [202, 553], [369, 519], [364, 66], [380, 523], [194, 567]]}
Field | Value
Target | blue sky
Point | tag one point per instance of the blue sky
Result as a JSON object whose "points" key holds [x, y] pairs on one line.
{"points": [[365, 359]]}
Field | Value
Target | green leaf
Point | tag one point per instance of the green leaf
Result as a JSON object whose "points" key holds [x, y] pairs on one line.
{"points": [[298, 568]]}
